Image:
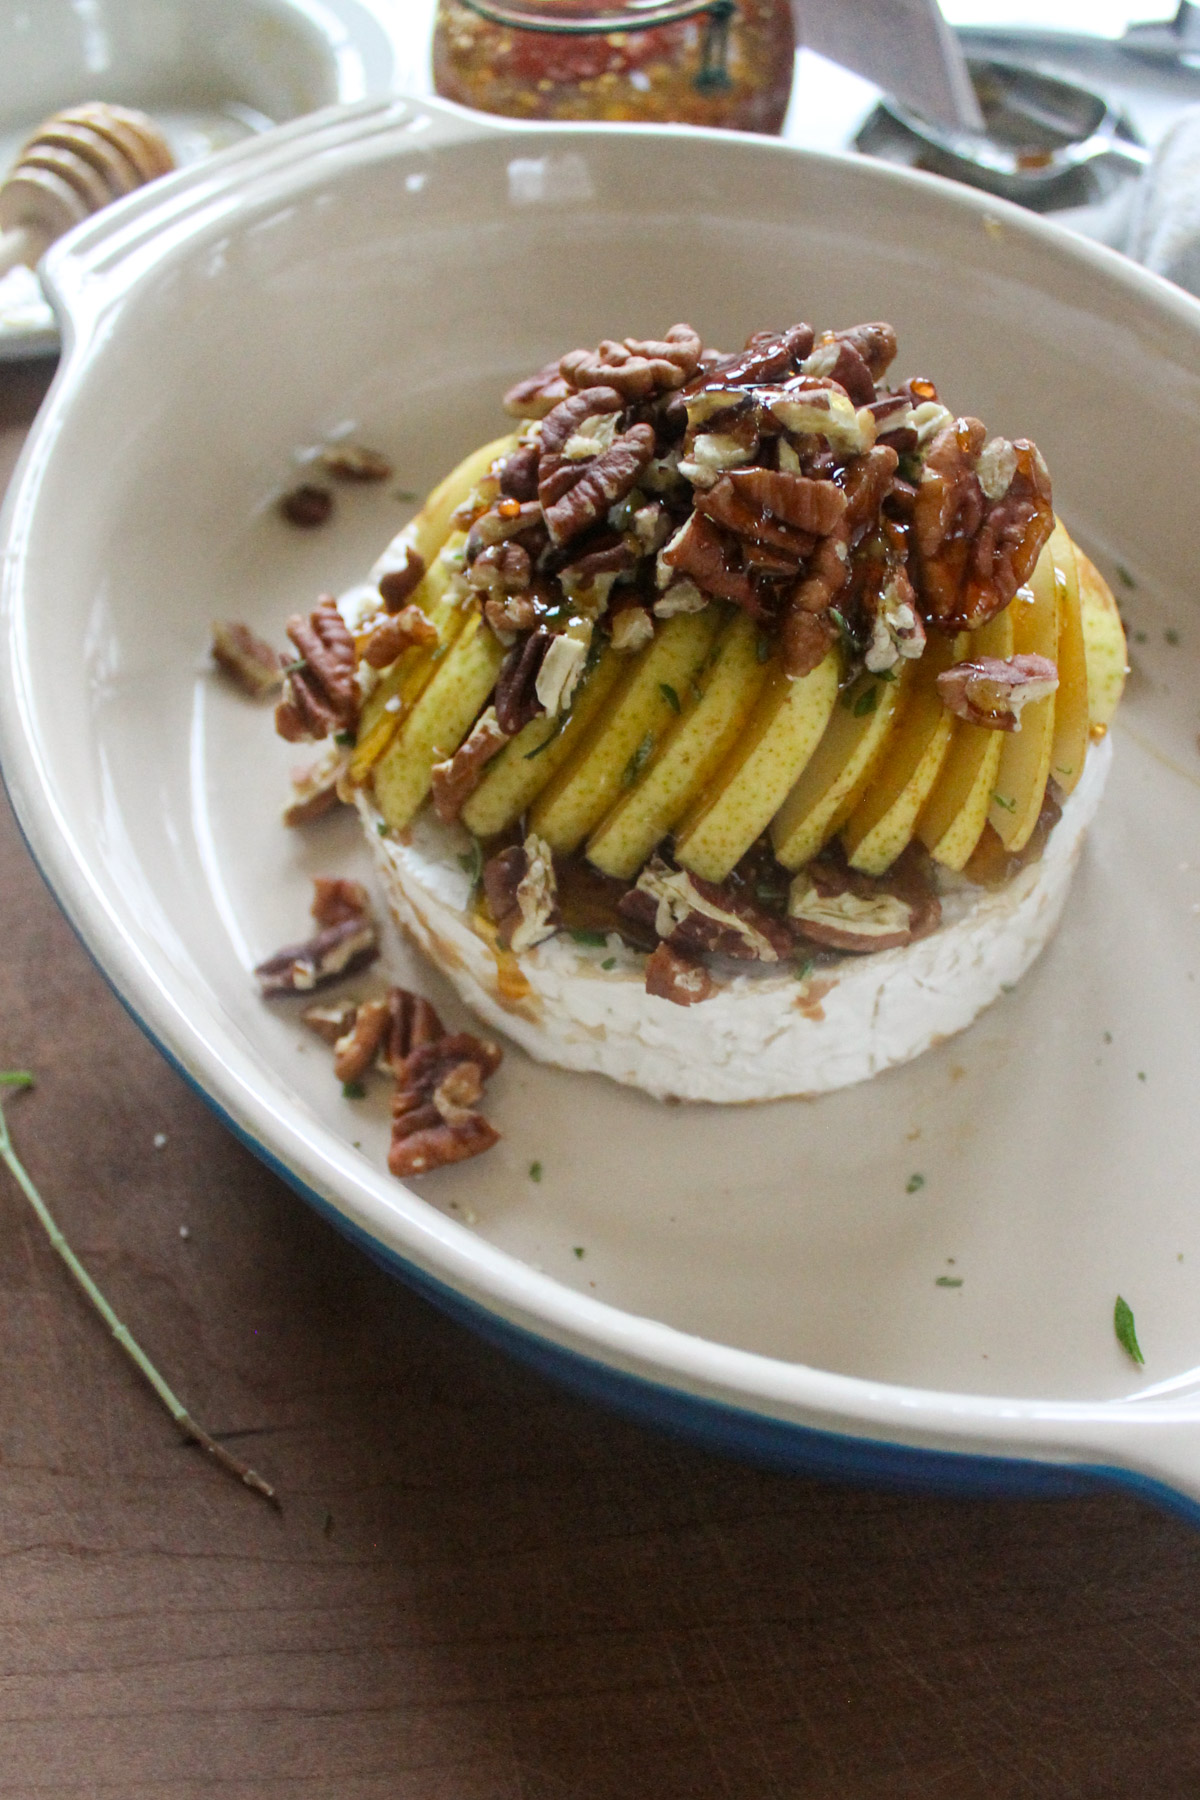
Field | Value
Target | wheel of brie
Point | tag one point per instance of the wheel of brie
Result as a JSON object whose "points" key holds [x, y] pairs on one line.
{"points": [[732, 727]]}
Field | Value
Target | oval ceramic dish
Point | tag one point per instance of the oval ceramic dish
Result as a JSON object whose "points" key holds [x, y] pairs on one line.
{"points": [[914, 1278]]}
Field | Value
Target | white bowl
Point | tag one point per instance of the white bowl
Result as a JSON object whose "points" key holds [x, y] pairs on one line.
{"points": [[209, 71], [769, 1276]]}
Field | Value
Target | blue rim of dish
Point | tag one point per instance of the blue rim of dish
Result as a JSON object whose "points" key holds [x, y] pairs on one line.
{"points": [[713, 1425]]}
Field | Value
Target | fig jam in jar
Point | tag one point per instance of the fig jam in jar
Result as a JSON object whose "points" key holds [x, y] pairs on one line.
{"points": [[729, 65]]}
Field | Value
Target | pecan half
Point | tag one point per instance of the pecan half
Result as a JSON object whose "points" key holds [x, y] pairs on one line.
{"points": [[455, 780], [321, 693], [516, 684], [842, 909], [993, 691], [395, 585], [606, 479], [637, 368], [538, 394], [975, 545], [433, 1121], [671, 975], [397, 633], [769, 356], [332, 953], [703, 917], [248, 660], [412, 1023]]}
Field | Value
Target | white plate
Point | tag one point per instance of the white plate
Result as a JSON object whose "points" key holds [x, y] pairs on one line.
{"points": [[386, 272], [211, 72]]}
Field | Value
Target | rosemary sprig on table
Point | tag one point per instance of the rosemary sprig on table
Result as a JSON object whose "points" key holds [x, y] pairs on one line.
{"points": [[192, 1433]]}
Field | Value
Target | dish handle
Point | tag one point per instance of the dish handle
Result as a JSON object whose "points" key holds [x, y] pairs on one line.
{"points": [[89, 269]]}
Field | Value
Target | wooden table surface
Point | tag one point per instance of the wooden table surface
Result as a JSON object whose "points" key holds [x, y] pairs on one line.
{"points": [[479, 1588]]}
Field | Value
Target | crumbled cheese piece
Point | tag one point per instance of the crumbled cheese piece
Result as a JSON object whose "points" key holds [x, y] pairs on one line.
{"points": [[683, 596], [996, 465], [632, 629], [559, 674], [537, 895]]}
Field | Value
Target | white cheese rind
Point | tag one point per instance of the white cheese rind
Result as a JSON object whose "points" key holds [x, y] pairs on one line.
{"points": [[763, 1035]]}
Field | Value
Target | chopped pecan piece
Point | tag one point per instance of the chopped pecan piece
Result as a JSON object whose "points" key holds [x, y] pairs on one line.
{"points": [[868, 479], [330, 1022], [805, 641], [606, 479], [500, 569], [321, 692], [356, 1049], [516, 684], [315, 789], [975, 545], [993, 691], [247, 659], [336, 899], [354, 462], [397, 633], [336, 951], [896, 630], [636, 368], [518, 476], [510, 615], [454, 780], [395, 585], [700, 550], [522, 894], [433, 1121], [672, 975], [306, 505], [506, 519]]}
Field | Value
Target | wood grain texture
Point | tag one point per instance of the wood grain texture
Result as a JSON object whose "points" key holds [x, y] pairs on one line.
{"points": [[479, 1588]]}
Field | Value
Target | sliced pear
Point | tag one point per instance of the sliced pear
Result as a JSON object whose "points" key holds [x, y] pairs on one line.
{"points": [[841, 766], [624, 739], [883, 822], [407, 676], [1025, 759], [953, 817], [714, 710], [431, 527], [1104, 644], [438, 722], [783, 731], [1068, 750], [526, 764]]}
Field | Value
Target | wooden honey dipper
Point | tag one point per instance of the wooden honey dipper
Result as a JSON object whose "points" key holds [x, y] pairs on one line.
{"points": [[75, 163]]}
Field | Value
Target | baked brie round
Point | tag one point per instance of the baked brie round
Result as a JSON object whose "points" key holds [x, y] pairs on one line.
{"points": [[732, 726]]}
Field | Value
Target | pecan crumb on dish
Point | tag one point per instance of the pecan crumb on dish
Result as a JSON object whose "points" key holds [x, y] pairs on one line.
{"points": [[248, 660], [306, 505], [355, 462]]}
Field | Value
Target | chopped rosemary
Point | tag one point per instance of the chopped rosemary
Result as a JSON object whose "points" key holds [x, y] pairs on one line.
{"points": [[590, 937], [1126, 1331], [535, 1171], [670, 696], [866, 702], [638, 760], [353, 1090], [914, 1184]]}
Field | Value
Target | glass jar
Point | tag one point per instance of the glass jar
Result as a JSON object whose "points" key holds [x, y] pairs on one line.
{"points": [[699, 62]]}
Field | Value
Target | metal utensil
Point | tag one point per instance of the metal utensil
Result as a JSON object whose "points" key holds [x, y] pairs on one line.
{"points": [[1039, 132]]}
